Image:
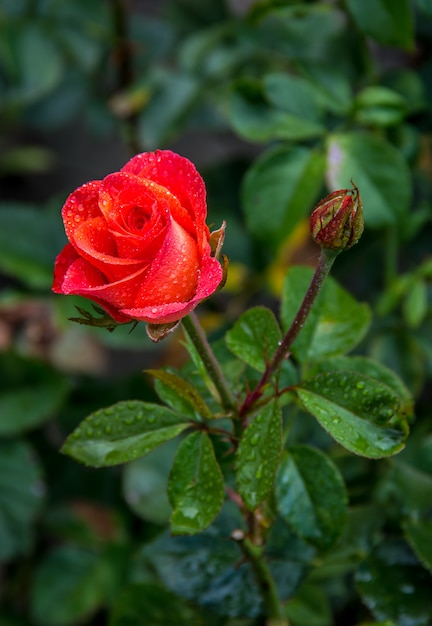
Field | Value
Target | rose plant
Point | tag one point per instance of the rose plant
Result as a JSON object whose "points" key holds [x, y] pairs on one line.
{"points": [[140, 248]]}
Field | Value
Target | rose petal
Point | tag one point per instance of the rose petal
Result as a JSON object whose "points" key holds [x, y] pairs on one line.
{"points": [[173, 274], [209, 280], [180, 176], [96, 244], [138, 212], [80, 206], [62, 263]]}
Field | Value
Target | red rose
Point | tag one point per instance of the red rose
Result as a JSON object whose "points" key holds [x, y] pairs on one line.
{"points": [[139, 244]]}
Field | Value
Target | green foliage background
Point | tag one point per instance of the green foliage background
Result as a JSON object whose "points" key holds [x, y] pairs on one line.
{"points": [[277, 102]]}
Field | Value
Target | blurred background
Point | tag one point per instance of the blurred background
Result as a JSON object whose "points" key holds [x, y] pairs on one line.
{"points": [[277, 102]]}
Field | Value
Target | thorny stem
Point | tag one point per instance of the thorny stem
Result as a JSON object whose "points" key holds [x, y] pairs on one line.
{"points": [[194, 330], [322, 270]]}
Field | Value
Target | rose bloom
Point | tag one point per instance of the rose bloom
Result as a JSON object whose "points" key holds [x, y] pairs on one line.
{"points": [[138, 241]]}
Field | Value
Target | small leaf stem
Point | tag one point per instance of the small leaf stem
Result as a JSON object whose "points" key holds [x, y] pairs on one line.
{"points": [[325, 262], [274, 610], [194, 330]]}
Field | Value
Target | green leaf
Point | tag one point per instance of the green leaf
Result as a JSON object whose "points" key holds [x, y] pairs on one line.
{"points": [[419, 535], [122, 433], [21, 497], [209, 570], [336, 323], [39, 61], [412, 485], [331, 84], [182, 389], [360, 413], [255, 120], [28, 406], [69, 585], [293, 94], [373, 369], [390, 23], [159, 606], [29, 259], [415, 304], [394, 586], [145, 481], [311, 495], [24, 160], [258, 455], [195, 486], [379, 106], [309, 607], [358, 538], [279, 189], [255, 337], [379, 171], [171, 103], [206, 569]]}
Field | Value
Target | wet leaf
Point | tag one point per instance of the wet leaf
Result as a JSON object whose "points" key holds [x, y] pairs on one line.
{"points": [[255, 337], [122, 433], [394, 585], [361, 413], [258, 455], [311, 495], [195, 486]]}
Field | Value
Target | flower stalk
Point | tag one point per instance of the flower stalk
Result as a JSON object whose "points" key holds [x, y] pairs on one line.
{"points": [[194, 330], [325, 263]]}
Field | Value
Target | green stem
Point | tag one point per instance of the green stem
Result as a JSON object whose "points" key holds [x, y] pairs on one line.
{"points": [[194, 330], [391, 255], [266, 583], [325, 262]]}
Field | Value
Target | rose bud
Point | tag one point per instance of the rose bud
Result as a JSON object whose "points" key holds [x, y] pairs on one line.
{"points": [[139, 245], [337, 221]]}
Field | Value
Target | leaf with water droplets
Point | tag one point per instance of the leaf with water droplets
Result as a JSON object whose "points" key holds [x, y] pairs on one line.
{"points": [[363, 414], [311, 495], [373, 369], [394, 585], [180, 389], [195, 485], [255, 337], [258, 455], [122, 432]]}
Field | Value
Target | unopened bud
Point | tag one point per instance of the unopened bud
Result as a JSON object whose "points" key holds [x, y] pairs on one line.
{"points": [[337, 221]]}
